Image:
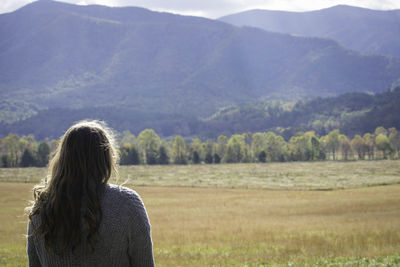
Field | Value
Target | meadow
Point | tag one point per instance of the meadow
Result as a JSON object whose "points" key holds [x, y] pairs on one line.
{"points": [[323, 175], [234, 218]]}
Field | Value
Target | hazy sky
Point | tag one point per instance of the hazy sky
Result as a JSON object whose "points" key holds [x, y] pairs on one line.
{"points": [[217, 8]]}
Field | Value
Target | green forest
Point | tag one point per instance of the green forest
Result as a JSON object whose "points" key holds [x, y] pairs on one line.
{"points": [[149, 148], [351, 114]]}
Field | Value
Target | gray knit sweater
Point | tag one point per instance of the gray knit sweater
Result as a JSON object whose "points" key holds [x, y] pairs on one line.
{"points": [[123, 237]]}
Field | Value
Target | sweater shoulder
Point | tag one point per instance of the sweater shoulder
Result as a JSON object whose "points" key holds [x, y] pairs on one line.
{"points": [[128, 201], [121, 193]]}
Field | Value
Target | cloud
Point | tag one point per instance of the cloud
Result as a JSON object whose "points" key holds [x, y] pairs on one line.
{"points": [[218, 8]]}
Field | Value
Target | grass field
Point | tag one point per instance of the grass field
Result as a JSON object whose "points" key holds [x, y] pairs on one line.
{"points": [[218, 226], [325, 175]]}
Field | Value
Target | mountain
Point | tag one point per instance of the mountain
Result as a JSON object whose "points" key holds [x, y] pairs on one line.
{"points": [[58, 58], [351, 113], [364, 30]]}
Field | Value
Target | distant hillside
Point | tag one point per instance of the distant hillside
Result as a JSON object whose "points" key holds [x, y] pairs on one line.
{"points": [[56, 55], [52, 123], [352, 113], [364, 30]]}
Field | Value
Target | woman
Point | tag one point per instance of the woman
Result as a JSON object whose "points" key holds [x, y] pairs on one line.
{"points": [[77, 218]]}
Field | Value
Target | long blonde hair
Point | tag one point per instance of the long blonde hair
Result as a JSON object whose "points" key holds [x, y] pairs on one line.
{"points": [[68, 204]]}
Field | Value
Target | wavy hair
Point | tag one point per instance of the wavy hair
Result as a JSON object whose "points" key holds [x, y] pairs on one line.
{"points": [[68, 204]]}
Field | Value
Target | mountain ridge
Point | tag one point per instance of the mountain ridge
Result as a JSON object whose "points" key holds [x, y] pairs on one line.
{"points": [[361, 29]]}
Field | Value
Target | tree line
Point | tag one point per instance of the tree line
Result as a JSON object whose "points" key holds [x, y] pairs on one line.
{"points": [[149, 148]]}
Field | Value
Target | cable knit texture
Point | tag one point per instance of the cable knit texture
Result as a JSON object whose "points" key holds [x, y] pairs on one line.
{"points": [[123, 238]]}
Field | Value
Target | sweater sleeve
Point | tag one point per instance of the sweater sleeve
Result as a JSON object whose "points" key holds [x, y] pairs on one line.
{"points": [[33, 259], [140, 250]]}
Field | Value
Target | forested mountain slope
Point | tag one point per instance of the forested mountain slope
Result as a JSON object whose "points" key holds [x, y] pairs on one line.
{"points": [[60, 56], [352, 113]]}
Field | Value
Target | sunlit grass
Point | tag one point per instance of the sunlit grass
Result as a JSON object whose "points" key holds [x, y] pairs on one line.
{"points": [[325, 175], [234, 227]]}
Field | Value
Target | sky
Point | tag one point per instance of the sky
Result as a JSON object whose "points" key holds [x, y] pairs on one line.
{"points": [[217, 8]]}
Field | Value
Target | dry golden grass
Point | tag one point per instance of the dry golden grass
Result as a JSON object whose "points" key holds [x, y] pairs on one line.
{"points": [[215, 226], [205, 226]]}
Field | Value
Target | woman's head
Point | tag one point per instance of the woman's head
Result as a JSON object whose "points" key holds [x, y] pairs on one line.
{"points": [[68, 204], [86, 151]]}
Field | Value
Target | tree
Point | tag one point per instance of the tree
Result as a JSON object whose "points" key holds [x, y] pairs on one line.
{"points": [[195, 149], [381, 130], [245, 151], [258, 144], [276, 147], [129, 155], [195, 157], [206, 148], [220, 146], [12, 149], [217, 159], [383, 144], [127, 138], [315, 148], [27, 159], [208, 158], [370, 145], [4, 161], [394, 138], [262, 156], [149, 145], [299, 147], [163, 157], [43, 154], [345, 146], [332, 142], [358, 144], [234, 153], [179, 150]]}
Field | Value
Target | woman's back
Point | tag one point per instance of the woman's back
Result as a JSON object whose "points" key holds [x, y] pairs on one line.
{"points": [[77, 218], [123, 238]]}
